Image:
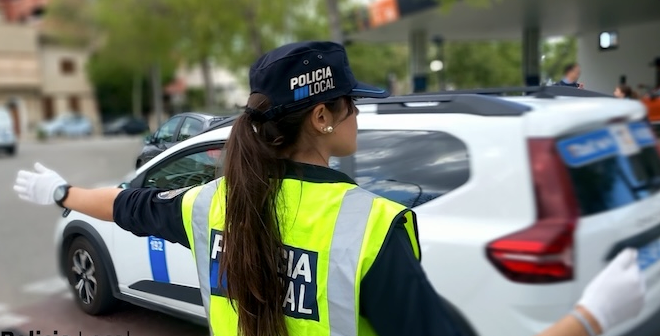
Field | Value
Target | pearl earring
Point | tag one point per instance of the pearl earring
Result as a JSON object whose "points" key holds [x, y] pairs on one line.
{"points": [[328, 129]]}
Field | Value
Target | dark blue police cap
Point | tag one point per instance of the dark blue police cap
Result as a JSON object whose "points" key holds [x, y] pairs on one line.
{"points": [[299, 75]]}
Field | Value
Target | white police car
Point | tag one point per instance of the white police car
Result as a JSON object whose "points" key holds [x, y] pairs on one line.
{"points": [[520, 201]]}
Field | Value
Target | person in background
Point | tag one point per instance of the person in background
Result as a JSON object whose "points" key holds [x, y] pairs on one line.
{"points": [[624, 91], [571, 76]]}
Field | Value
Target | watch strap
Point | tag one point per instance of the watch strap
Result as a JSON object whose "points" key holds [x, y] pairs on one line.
{"points": [[60, 202], [585, 324]]}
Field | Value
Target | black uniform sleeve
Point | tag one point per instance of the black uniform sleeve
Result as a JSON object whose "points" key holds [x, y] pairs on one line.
{"points": [[151, 212], [397, 298]]}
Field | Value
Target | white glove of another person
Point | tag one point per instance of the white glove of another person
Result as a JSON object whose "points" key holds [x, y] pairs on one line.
{"points": [[617, 293], [38, 187]]}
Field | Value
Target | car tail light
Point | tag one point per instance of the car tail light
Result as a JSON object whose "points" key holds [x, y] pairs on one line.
{"points": [[543, 252]]}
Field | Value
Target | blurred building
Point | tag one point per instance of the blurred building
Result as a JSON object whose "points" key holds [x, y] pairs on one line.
{"points": [[42, 78], [22, 10], [229, 91]]}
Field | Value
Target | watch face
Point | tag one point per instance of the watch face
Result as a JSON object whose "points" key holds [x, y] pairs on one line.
{"points": [[59, 193]]}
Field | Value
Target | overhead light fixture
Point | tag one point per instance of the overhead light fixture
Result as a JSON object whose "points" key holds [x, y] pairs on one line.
{"points": [[609, 40]]}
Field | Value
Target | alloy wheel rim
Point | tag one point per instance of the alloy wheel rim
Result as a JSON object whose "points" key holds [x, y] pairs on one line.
{"points": [[85, 276]]}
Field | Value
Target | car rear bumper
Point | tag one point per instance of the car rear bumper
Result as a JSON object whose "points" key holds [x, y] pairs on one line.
{"points": [[648, 321], [519, 309], [649, 326], [530, 309]]}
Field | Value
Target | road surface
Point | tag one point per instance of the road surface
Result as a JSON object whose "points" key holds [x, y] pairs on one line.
{"points": [[32, 296]]}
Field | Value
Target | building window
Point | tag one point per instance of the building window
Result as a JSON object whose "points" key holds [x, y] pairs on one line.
{"points": [[48, 108], [67, 66], [74, 104]]}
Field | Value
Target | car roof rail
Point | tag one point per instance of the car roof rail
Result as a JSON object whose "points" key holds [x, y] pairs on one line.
{"points": [[221, 124], [482, 102], [476, 104], [543, 91]]}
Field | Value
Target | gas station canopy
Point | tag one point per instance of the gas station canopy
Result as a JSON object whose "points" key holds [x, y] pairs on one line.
{"points": [[393, 20]]}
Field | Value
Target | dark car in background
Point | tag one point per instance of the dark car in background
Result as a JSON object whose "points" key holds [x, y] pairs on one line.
{"points": [[126, 125], [178, 128]]}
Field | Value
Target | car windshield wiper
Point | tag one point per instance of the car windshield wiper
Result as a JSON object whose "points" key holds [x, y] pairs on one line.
{"points": [[419, 188]]}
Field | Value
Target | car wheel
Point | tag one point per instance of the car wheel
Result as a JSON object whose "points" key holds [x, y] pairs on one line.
{"points": [[88, 278], [11, 150]]}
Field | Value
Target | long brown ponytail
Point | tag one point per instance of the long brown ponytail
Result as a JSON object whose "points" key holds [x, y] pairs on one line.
{"points": [[254, 166]]}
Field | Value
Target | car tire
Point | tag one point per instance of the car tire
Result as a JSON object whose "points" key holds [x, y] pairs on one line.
{"points": [[11, 151], [87, 275]]}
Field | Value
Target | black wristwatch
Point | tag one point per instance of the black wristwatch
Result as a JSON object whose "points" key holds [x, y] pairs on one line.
{"points": [[60, 194]]}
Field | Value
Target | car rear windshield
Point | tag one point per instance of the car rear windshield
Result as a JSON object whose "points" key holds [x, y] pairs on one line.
{"points": [[612, 167], [409, 167]]}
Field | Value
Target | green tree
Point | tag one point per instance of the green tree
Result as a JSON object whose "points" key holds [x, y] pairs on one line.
{"points": [[447, 5], [115, 86], [200, 27], [139, 35], [483, 64], [232, 33], [558, 54], [262, 25], [374, 62], [112, 94], [499, 63]]}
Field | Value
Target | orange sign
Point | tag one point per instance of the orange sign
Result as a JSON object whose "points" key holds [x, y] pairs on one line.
{"points": [[382, 12]]}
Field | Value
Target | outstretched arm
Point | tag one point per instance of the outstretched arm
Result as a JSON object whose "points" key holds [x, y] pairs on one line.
{"points": [[39, 187], [571, 326], [142, 211], [97, 203]]}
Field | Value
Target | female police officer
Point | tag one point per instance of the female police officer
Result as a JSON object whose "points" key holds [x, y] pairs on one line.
{"points": [[298, 247]]}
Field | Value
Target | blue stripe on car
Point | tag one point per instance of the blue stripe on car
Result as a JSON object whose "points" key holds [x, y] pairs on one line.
{"points": [[158, 260]]}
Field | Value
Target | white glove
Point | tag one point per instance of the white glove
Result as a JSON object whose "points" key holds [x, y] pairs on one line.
{"points": [[617, 293], [38, 187]]}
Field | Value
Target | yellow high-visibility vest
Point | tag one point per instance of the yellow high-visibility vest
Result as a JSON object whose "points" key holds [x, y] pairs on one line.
{"points": [[332, 233]]}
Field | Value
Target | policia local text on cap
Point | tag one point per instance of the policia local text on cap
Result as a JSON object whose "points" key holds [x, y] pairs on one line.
{"points": [[300, 248]]}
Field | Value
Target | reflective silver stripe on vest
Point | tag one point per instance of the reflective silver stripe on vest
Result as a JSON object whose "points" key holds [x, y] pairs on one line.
{"points": [[344, 258], [200, 227], [345, 251]]}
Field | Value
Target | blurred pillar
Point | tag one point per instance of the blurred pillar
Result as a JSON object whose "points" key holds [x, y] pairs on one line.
{"points": [[440, 56], [391, 83], [418, 59], [531, 58], [157, 94], [334, 18], [137, 96], [656, 65]]}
